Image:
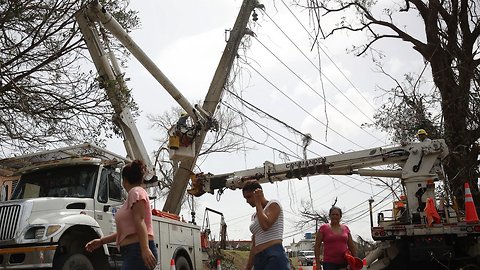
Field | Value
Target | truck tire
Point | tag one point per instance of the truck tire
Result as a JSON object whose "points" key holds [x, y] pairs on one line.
{"points": [[181, 263], [74, 262]]}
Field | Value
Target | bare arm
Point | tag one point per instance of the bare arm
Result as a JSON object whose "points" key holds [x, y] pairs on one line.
{"points": [[351, 245], [266, 217], [251, 254], [317, 249], [96, 243], [138, 211]]}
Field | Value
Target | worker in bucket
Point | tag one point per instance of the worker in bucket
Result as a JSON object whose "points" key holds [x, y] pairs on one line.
{"points": [[422, 135], [267, 251], [336, 239], [134, 234]]}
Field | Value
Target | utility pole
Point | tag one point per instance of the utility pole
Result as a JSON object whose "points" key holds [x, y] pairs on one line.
{"points": [[370, 201], [182, 175]]}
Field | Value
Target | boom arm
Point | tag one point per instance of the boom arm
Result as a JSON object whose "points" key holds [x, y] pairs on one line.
{"points": [[96, 13], [415, 160], [111, 78], [93, 20]]}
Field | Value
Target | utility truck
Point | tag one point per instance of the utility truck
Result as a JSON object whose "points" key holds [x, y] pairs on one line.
{"points": [[67, 197], [407, 240]]}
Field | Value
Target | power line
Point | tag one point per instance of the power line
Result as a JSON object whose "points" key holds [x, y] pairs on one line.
{"points": [[303, 109], [262, 127], [326, 54], [311, 88], [278, 120], [260, 143], [318, 68]]}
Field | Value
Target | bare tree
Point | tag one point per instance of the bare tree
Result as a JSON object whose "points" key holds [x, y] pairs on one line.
{"points": [[310, 216], [450, 44], [222, 141], [47, 97]]}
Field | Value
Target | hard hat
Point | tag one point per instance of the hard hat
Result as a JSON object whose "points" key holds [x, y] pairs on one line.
{"points": [[183, 114], [421, 132]]}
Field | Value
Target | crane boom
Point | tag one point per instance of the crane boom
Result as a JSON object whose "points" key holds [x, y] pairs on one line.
{"points": [[95, 12], [415, 160], [417, 166]]}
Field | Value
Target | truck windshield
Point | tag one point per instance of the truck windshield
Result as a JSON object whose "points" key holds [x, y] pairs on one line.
{"points": [[69, 181]]}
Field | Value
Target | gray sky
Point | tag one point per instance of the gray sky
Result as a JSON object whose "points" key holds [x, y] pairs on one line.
{"points": [[186, 39]]}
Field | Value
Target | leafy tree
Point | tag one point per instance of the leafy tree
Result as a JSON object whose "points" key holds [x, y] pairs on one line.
{"points": [[450, 44], [47, 97]]}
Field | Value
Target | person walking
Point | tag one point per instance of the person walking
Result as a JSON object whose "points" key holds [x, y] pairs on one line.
{"points": [[336, 239], [267, 252], [134, 234]]}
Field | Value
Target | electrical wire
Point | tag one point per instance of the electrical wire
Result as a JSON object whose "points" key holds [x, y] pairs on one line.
{"points": [[328, 56], [311, 88], [277, 120], [303, 109], [318, 68]]}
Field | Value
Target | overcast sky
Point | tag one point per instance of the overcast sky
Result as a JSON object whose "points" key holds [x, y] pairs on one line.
{"points": [[186, 39]]}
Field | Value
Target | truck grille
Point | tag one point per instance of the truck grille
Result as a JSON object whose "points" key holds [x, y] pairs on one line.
{"points": [[9, 216]]}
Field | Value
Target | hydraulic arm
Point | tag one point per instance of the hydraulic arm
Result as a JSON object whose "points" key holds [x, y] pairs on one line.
{"points": [[413, 160]]}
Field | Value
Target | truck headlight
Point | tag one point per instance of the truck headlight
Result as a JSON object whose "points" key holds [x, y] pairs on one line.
{"points": [[39, 232], [36, 232], [52, 229]]}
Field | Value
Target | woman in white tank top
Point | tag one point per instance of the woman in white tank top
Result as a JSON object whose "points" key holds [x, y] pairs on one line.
{"points": [[267, 251]]}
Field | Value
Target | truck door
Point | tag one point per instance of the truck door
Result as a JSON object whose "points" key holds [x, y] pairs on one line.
{"points": [[108, 199]]}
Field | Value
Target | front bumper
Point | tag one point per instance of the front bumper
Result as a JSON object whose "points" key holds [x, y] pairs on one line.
{"points": [[27, 256]]}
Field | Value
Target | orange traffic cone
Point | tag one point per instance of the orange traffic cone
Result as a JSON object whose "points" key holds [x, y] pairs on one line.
{"points": [[219, 265], [470, 212], [300, 265], [172, 264], [314, 264]]}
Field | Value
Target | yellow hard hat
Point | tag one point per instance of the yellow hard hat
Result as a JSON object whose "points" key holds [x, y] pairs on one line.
{"points": [[421, 132]]}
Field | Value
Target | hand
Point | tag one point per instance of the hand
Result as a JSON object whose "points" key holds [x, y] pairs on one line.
{"points": [[258, 195], [94, 244], [148, 259]]}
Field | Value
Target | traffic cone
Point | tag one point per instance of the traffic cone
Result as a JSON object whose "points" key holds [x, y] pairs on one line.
{"points": [[219, 264], [470, 211], [314, 264], [300, 265], [172, 264]]}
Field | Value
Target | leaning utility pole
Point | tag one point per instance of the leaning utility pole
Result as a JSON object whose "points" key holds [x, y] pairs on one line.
{"points": [[182, 175]]}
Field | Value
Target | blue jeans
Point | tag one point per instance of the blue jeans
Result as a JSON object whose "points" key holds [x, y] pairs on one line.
{"points": [[272, 258], [132, 256], [333, 266]]}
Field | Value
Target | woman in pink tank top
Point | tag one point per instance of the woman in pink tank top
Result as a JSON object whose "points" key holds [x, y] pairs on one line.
{"points": [[134, 234], [336, 239]]}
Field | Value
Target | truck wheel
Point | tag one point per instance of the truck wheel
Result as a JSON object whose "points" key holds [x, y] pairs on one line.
{"points": [[75, 262], [182, 264]]}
